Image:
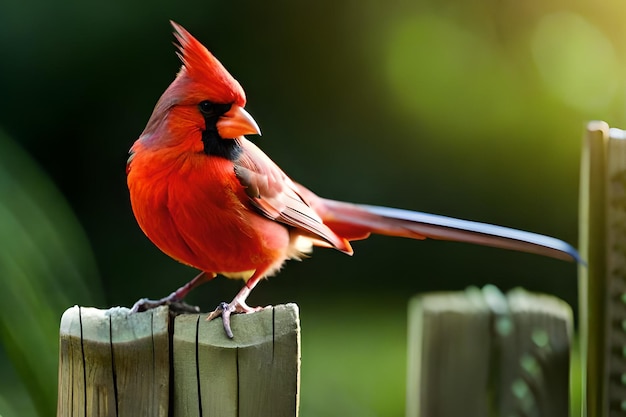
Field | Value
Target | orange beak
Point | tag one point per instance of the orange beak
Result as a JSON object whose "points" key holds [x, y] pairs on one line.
{"points": [[237, 122]]}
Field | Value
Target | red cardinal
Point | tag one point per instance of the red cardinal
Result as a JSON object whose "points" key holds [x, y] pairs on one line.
{"points": [[211, 199]]}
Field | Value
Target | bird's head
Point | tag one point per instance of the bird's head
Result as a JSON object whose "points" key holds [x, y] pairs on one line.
{"points": [[204, 96]]}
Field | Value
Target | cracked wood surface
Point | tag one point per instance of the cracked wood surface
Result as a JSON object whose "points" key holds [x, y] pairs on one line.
{"points": [[152, 364]]}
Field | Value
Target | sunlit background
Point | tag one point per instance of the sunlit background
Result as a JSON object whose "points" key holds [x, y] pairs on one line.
{"points": [[473, 110]]}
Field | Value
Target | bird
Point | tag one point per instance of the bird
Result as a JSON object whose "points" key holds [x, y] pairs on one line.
{"points": [[211, 199]]}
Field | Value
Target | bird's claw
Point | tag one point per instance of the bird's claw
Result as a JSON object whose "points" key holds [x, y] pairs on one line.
{"points": [[179, 306], [225, 310]]}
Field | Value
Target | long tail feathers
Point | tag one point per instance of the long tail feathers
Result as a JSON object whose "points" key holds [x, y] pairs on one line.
{"points": [[357, 221]]}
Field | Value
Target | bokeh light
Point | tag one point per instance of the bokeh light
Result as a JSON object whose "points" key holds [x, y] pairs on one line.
{"points": [[577, 62]]}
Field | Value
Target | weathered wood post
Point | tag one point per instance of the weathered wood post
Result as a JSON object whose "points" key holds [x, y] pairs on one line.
{"points": [[481, 353], [603, 281], [113, 363]]}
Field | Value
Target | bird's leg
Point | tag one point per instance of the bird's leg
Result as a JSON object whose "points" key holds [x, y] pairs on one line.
{"points": [[175, 299], [238, 305]]}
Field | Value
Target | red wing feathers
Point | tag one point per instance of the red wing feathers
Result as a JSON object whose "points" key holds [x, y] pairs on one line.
{"points": [[276, 196]]}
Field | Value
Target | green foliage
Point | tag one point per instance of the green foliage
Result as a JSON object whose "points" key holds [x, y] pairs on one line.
{"points": [[45, 266]]}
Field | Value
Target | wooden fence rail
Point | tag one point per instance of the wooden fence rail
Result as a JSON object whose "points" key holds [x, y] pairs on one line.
{"points": [[113, 363]]}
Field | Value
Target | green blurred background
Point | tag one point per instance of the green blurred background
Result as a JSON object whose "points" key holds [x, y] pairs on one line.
{"points": [[473, 110]]}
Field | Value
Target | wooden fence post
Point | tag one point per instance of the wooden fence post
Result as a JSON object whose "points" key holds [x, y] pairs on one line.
{"points": [[481, 353], [113, 363], [603, 282]]}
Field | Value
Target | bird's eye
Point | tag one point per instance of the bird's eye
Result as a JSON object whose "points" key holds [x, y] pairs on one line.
{"points": [[207, 108], [211, 110]]}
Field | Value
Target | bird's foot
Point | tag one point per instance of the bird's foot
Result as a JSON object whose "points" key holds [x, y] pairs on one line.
{"points": [[175, 299], [172, 300], [235, 307]]}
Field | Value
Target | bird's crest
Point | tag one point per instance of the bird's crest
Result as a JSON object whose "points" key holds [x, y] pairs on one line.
{"points": [[207, 77]]}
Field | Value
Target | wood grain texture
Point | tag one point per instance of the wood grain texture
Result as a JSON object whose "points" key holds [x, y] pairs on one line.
{"points": [[98, 362], [140, 349], [255, 374], [113, 363], [72, 392]]}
